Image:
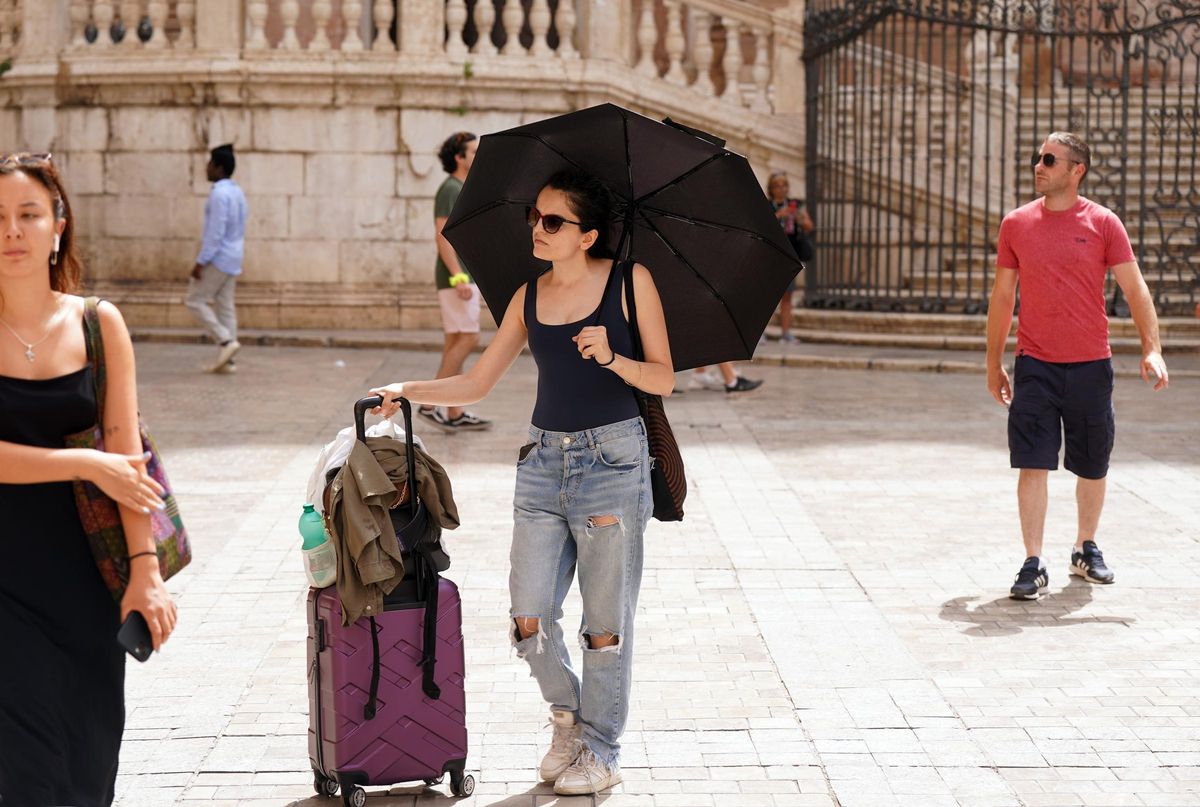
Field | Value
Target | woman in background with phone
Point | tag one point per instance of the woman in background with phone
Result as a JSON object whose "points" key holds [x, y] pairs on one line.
{"points": [[797, 225], [62, 699]]}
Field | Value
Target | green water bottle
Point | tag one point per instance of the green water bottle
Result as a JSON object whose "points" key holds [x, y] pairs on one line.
{"points": [[320, 561], [312, 528]]}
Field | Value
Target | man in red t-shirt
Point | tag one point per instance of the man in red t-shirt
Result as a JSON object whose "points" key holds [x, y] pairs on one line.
{"points": [[1060, 247]]}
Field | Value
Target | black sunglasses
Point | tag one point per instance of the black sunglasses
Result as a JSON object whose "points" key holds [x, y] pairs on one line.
{"points": [[551, 223], [1048, 160]]}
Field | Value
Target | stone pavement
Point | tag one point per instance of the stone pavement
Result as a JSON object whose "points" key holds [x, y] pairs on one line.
{"points": [[829, 626]]}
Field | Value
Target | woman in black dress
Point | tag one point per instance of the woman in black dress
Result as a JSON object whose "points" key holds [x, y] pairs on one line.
{"points": [[62, 701]]}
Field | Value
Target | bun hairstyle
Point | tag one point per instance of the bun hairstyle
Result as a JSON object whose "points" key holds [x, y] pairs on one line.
{"points": [[65, 271], [455, 146], [590, 202]]}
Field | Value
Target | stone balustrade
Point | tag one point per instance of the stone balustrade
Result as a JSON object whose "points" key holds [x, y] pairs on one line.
{"points": [[718, 49], [132, 25], [337, 109]]}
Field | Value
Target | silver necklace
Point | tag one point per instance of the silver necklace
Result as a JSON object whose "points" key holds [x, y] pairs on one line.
{"points": [[29, 346]]}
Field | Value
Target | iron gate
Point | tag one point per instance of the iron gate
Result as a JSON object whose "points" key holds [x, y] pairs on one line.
{"points": [[923, 115]]}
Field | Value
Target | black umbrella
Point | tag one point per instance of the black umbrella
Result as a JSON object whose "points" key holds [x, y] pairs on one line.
{"points": [[690, 211]]}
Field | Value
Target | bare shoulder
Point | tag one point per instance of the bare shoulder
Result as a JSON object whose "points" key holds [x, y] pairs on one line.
{"points": [[112, 324], [110, 315], [642, 279], [517, 304]]}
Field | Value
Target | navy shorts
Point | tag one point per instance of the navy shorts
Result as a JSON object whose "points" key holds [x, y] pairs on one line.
{"points": [[1050, 399]]}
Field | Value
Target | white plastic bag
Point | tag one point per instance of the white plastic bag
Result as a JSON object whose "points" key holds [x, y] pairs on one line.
{"points": [[337, 450]]}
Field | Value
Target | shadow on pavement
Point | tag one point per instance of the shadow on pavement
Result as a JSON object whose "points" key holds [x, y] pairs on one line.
{"points": [[1006, 616], [433, 796]]}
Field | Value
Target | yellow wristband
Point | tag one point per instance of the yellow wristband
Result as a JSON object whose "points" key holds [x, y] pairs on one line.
{"points": [[461, 277]]}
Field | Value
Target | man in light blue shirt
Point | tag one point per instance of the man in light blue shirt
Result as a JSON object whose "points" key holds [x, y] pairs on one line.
{"points": [[219, 263]]}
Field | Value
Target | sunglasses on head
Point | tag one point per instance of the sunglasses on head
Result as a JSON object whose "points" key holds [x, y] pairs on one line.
{"points": [[551, 223], [1048, 160], [24, 158]]}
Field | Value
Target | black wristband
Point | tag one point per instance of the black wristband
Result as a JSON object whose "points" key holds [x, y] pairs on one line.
{"points": [[611, 359], [140, 554]]}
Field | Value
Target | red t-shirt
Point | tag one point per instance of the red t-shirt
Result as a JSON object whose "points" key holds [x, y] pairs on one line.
{"points": [[1062, 258]]}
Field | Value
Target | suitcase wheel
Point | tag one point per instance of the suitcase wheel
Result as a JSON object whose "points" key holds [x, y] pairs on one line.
{"points": [[461, 785], [434, 782], [323, 785], [357, 797]]}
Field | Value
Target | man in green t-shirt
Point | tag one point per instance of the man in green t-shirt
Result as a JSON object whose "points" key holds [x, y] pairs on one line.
{"points": [[457, 295]]}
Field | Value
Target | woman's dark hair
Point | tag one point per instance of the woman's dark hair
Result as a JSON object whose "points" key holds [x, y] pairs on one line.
{"points": [[455, 146], [65, 271], [591, 203]]}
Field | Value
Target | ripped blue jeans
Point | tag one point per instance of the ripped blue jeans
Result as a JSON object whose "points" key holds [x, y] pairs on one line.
{"points": [[570, 485]]}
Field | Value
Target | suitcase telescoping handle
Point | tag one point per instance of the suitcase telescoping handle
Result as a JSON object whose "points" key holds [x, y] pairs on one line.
{"points": [[360, 431]]}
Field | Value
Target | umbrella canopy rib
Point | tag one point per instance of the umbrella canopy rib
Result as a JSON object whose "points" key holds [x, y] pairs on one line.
{"points": [[556, 149], [489, 207], [703, 280], [666, 214], [694, 169]]}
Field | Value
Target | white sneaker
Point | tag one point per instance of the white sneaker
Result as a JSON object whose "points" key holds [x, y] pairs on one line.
{"points": [[709, 379], [226, 353], [564, 746], [587, 774]]}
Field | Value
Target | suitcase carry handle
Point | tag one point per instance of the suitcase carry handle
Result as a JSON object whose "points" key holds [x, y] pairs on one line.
{"points": [[360, 431]]}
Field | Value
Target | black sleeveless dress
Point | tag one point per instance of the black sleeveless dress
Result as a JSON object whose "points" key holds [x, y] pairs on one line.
{"points": [[62, 677]]}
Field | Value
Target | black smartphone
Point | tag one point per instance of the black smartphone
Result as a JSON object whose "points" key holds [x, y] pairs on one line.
{"points": [[134, 636]]}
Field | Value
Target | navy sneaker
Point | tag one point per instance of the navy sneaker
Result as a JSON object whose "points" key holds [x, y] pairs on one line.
{"points": [[1089, 564], [1031, 582], [743, 384]]}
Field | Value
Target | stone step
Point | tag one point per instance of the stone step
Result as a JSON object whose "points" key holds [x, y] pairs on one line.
{"points": [[1120, 345], [950, 325], [283, 305]]}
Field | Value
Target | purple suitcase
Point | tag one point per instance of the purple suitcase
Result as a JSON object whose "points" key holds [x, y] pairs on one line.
{"points": [[414, 729]]}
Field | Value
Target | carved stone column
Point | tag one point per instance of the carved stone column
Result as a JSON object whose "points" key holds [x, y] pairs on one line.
{"points": [[702, 50], [456, 21], [647, 38], [539, 24], [322, 12], [564, 23], [512, 17], [485, 19]]}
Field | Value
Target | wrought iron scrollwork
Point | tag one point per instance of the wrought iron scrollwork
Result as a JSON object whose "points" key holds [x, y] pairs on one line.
{"points": [[922, 115]]}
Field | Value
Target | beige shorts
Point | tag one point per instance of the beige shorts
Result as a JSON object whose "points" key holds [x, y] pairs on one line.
{"points": [[459, 315]]}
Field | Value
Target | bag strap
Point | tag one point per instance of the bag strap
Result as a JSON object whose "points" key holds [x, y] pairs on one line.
{"points": [[631, 304], [429, 660], [95, 350], [369, 708]]}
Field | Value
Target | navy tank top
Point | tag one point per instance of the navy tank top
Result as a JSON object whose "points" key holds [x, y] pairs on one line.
{"points": [[574, 393]]}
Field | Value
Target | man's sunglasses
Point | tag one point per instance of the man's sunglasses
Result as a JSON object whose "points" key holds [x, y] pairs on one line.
{"points": [[551, 223], [1048, 160], [23, 158]]}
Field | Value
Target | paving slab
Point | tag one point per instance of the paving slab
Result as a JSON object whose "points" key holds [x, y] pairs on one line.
{"points": [[829, 625]]}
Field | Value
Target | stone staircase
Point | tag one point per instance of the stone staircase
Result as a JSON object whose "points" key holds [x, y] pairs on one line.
{"points": [[962, 332], [1142, 168]]}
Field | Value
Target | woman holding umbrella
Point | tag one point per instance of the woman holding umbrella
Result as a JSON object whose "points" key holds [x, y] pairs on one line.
{"points": [[583, 494]]}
